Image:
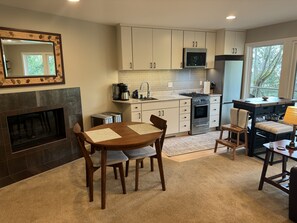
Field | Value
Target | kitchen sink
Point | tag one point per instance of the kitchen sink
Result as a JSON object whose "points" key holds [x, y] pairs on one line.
{"points": [[147, 99]]}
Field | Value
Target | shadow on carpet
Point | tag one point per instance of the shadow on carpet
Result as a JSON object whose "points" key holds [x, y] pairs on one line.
{"points": [[191, 143]]}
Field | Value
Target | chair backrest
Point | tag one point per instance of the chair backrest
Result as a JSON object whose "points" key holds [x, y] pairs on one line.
{"points": [[160, 124], [239, 117], [81, 141]]}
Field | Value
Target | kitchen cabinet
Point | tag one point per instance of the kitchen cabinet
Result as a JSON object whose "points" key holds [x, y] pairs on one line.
{"points": [[194, 39], [177, 45], [168, 110], [151, 48], [124, 40], [131, 112], [184, 115], [211, 49], [214, 111], [230, 42]]}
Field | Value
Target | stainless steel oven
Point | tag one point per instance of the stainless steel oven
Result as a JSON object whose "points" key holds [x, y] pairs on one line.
{"points": [[199, 113]]}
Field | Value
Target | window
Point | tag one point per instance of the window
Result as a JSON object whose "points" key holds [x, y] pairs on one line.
{"points": [[39, 64], [265, 71]]}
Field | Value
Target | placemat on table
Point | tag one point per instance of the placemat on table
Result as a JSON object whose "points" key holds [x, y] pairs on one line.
{"points": [[144, 128], [102, 135]]}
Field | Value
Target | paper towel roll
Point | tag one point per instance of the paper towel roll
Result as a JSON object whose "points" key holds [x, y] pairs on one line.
{"points": [[206, 88]]}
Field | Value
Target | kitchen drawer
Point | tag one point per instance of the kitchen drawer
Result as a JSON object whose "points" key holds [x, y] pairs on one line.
{"points": [[214, 121], [214, 99], [185, 102], [160, 105], [214, 109], [185, 110], [135, 107], [184, 117], [184, 126]]}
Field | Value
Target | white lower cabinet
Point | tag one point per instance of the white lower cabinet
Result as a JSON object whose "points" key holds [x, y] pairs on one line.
{"points": [[185, 115], [214, 113]]}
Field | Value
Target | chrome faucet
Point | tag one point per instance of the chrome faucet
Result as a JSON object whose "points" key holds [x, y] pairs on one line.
{"points": [[148, 93]]}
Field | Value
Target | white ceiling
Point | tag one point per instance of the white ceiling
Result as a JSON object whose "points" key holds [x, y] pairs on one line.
{"points": [[203, 14]]}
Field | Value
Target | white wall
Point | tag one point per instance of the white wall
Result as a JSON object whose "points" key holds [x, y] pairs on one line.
{"points": [[89, 53]]}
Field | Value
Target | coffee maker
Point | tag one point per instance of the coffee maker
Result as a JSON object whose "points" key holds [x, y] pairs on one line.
{"points": [[120, 92], [124, 92]]}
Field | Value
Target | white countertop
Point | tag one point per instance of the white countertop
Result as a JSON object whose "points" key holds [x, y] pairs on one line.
{"points": [[160, 98]]}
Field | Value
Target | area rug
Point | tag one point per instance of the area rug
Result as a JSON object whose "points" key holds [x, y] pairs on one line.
{"points": [[191, 143]]}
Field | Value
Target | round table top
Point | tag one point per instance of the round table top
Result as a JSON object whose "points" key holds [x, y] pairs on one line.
{"points": [[129, 138]]}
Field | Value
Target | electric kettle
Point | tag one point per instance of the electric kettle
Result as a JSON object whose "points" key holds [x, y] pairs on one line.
{"points": [[125, 95]]}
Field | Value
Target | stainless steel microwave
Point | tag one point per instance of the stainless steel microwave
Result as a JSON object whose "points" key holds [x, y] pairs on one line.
{"points": [[194, 58]]}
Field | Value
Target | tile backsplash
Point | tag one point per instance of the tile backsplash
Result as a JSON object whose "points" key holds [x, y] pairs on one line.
{"points": [[182, 80]]}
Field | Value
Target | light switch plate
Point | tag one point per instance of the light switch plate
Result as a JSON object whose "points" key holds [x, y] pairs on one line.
{"points": [[170, 84], [200, 83]]}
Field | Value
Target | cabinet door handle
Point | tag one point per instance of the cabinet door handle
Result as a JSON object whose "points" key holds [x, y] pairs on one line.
{"points": [[196, 44], [130, 65], [193, 43], [185, 110], [162, 112], [159, 113], [154, 64], [136, 107], [235, 50], [185, 125], [151, 65], [139, 116]]}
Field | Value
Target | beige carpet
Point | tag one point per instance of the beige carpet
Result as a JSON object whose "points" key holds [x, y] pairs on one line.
{"points": [[209, 189], [190, 143]]}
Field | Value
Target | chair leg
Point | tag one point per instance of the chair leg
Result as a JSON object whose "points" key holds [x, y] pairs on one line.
{"points": [[121, 168], [152, 163], [127, 167], [91, 186], [87, 176], [216, 147], [233, 156], [141, 164], [115, 172]]}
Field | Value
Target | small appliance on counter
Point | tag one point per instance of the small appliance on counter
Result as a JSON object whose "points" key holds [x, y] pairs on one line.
{"points": [[206, 87], [120, 92]]}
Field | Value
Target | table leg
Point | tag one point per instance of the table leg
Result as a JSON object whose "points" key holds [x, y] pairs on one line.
{"points": [[160, 164], [103, 178], [264, 170], [284, 166]]}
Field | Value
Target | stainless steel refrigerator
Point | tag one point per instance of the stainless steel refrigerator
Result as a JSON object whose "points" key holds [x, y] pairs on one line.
{"points": [[227, 77]]}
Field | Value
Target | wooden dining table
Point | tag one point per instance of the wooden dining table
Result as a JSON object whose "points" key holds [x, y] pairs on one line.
{"points": [[123, 136]]}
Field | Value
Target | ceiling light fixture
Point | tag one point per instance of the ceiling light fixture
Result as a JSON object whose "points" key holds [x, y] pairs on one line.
{"points": [[231, 17], [73, 0]]}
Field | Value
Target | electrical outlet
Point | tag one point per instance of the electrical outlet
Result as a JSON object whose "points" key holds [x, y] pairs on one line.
{"points": [[170, 84], [200, 83]]}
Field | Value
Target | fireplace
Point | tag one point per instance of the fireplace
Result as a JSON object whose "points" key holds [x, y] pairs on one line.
{"points": [[28, 130], [36, 132]]}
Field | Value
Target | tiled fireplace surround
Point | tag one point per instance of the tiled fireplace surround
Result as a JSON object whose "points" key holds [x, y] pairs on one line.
{"points": [[20, 165]]}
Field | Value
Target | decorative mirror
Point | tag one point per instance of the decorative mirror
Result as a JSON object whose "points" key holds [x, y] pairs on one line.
{"points": [[30, 58]]}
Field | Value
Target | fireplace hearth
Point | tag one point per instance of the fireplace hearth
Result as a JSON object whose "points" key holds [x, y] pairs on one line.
{"points": [[36, 132]]}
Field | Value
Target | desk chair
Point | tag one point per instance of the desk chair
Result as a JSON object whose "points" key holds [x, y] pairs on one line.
{"points": [[93, 161], [148, 151], [238, 126]]}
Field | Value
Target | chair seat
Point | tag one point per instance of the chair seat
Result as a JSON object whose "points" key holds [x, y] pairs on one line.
{"points": [[135, 154], [113, 157], [274, 127], [233, 128]]}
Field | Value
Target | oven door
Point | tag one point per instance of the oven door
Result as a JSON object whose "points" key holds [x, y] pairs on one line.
{"points": [[200, 112]]}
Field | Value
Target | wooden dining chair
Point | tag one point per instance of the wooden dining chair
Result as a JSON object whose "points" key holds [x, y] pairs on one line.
{"points": [[140, 154], [115, 159]]}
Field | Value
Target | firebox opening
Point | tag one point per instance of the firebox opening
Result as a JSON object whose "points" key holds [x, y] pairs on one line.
{"points": [[37, 128]]}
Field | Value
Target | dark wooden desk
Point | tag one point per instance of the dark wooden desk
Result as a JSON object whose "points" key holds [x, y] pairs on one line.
{"points": [[283, 177], [259, 108], [129, 140]]}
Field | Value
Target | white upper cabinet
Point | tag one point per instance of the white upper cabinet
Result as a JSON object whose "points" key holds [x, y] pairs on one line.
{"points": [[151, 48], [211, 49], [161, 49], [193, 39], [124, 38], [142, 48], [177, 45], [230, 42]]}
